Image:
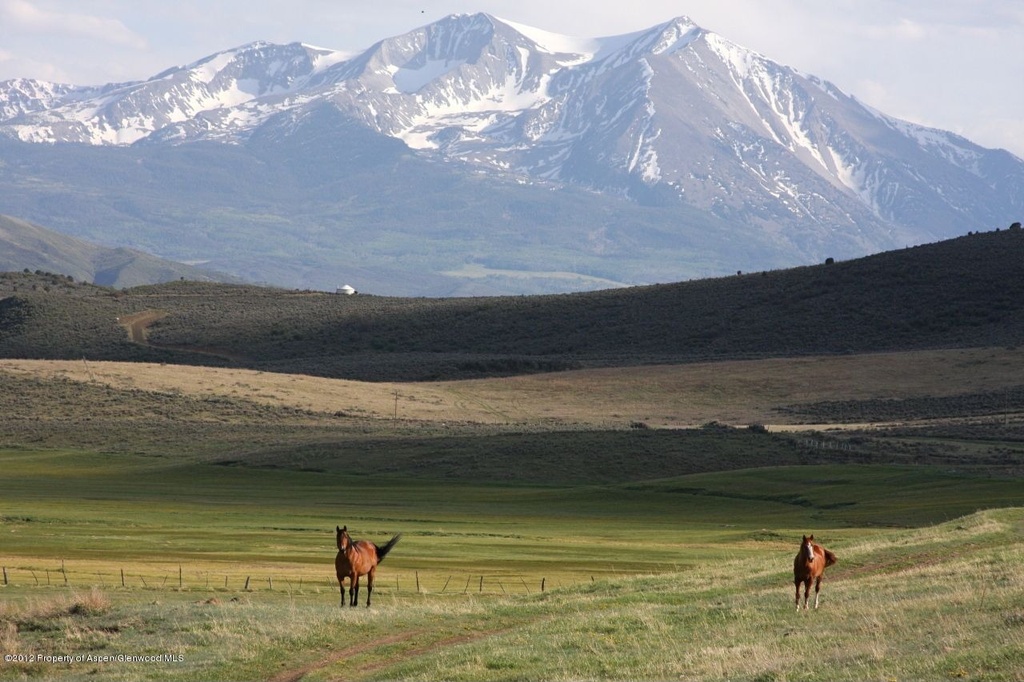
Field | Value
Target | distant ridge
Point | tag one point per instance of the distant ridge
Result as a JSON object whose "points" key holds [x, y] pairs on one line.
{"points": [[961, 293], [25, 246]]}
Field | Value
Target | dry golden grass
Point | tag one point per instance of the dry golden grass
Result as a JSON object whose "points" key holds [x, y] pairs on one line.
{"points": [[735, 392], [91, 601]]}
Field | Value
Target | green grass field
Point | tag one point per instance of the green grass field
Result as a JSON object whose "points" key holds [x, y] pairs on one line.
{"points": [[690, 577]]}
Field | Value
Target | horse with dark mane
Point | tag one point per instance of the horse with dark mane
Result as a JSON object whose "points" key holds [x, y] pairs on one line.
{"points": [[809, 565], [357, 559]]}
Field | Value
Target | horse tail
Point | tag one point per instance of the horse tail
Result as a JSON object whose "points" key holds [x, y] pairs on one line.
{"points": [[830, 558], [383, 551]]}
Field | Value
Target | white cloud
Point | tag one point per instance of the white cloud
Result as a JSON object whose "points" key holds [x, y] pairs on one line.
{"points": [[26, 16], [905, 30], [15, 64]]}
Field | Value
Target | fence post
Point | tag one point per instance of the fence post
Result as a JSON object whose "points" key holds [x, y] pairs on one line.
{"points": [[542, 584], [5, 575], [417, 582], [122, 577], [180, 583], [246, 588], [481, 583], [446, 584]]}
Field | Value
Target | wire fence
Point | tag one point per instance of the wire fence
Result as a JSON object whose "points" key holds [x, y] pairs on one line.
{"points": [[238, 578]]}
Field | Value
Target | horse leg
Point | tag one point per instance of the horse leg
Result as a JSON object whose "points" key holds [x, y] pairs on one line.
{"points": [[807, 591], [354, 591], [369, 585], [817, 589], [797, 584], [341, 584]]}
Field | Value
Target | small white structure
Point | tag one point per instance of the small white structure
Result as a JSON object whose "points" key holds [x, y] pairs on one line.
{"points": [[347, 290]]}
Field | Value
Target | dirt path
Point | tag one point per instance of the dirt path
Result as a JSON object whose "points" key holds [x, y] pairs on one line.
{"points": [[138, 325], [297, 674]]}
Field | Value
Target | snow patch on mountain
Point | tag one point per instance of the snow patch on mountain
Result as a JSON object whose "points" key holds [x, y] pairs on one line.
{"points": [[323, 58], [410, 79], [572, 50]]}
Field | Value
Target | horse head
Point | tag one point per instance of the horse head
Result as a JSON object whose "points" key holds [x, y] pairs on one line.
{"points": [[343, 539], [808, 546]]}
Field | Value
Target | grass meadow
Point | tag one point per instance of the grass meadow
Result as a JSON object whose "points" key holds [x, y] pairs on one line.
{"points": [[139, 567]]}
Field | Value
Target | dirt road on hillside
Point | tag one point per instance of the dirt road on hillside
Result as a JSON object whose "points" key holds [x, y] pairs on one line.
{"points": [[137, 325]]}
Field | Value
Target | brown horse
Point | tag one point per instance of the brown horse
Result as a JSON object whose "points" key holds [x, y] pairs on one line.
{"points": [[357, 559], [809, 565]]}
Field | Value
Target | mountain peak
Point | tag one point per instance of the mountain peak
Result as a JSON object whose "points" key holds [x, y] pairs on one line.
{"points": [[675, 35], [672, 117]]}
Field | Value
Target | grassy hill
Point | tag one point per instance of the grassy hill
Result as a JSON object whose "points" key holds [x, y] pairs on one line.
{"points": [[966, 292]]}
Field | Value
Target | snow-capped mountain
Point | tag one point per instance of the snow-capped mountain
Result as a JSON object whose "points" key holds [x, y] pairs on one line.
{"points": [[671, 116]]}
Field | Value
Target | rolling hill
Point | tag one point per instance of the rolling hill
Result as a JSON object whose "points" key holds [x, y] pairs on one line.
{"points": [[960, 293]]}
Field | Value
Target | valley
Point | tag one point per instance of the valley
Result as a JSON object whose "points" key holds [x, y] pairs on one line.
{"points": [[608, 485], [634, 315]]}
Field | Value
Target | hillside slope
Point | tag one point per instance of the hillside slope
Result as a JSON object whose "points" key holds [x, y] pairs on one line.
{"points": [[966, 292], [26, 246]]}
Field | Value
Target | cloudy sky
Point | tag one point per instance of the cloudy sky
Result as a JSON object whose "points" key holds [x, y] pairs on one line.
{"points": [[953, 64]]}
